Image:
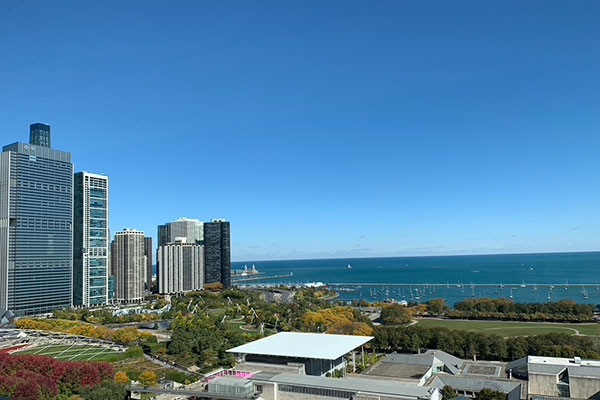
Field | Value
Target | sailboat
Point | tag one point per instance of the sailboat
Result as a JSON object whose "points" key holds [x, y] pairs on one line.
{"points": [[523, 284], [349, 266]]}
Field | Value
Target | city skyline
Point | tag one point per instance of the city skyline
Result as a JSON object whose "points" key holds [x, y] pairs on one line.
{"points": [[400, 134]]}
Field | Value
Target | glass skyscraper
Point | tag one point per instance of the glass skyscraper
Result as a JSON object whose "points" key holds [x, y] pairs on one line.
{"points": [[39, 135], [36, 233], [90, 240]]}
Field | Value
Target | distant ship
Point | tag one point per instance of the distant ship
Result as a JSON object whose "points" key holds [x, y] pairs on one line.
{"points": [[349, 266]]}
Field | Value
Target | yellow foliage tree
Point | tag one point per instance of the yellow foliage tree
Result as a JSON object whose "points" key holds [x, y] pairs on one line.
{"points": [[122, 378], [148, 378]]}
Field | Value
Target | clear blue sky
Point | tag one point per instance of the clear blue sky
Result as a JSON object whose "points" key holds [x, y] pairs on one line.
{"points": [[323, 128]]}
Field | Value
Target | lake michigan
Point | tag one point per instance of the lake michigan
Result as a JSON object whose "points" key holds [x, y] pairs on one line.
{"points": [[522, 277]]}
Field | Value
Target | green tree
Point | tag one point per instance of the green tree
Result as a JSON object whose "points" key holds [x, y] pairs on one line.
{"points": [[437, 307], [395, 314], [489, 394], [448, 393], [107, 391]]}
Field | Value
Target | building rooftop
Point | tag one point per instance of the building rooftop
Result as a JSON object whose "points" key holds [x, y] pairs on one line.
{"points": [[410, 359], [303, 345], [454, 364], [584, 372], [562, 361], [474, 384], [402, 371], [357, 385]]}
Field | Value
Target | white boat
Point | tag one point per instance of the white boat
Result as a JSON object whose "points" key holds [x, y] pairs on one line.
{"points": [[523, 284], [349, 266]]}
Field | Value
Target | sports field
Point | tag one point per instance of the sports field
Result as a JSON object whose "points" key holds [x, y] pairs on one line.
{"points": [[507, 329], [75, 353]]}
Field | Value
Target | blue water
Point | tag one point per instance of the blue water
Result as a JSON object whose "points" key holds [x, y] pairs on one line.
{"points": [[406, 278]]}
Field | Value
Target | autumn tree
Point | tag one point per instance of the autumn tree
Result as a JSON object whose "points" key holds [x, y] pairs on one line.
{"points": [[122, 378], [148, 378]]}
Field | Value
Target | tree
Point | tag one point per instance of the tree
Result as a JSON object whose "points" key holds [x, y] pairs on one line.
{"points": [[448, 393], [438, 307], [108, 391], [395, 314], [148, 378], [122, 378], [489, 394]]}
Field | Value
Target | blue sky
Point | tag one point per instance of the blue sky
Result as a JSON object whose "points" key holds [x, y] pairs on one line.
{"points": [[323, 128]]}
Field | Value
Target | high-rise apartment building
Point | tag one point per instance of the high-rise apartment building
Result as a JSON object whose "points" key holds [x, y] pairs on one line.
{"points": [[190, 229], [36, 232], [217, 252], [90, 240], [181, 267], [39, 135], [129, 265], [149, 264]]}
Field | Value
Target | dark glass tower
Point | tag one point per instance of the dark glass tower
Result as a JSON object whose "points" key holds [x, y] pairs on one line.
{"points": [[217, 253], [149, 263], [39, 135]]}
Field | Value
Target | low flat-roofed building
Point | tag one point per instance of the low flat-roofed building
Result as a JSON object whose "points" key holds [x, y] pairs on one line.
{"points": [[320, 353], [469, 386], [416, 368], [559, 377]]}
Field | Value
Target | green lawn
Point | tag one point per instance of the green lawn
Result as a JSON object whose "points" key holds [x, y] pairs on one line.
{"points": [[79, 353], [513, 328]]}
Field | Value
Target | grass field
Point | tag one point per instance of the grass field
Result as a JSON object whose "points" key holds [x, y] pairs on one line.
{"points": [[507, 328], [76, 353]]}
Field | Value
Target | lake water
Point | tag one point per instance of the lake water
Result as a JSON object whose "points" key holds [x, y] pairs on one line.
{"points": [[525, 277]]}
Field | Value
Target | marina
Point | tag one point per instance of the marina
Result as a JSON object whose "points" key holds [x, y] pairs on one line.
{"points": [[524, 278]]}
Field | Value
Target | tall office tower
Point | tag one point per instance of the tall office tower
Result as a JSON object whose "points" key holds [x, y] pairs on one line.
{"points": [[36, 233], [129, 265], [39, 135], [149, 266], [217, 252], [90, 240], [181, 267]]}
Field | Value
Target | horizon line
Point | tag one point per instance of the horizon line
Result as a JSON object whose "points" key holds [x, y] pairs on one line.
{"points": [[430, 256]]}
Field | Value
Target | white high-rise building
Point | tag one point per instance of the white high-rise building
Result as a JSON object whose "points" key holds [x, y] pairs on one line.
{"points": [[190, 229], [129, 265], [90, 239], [181, 267]]}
